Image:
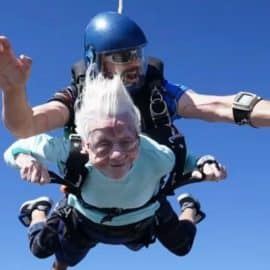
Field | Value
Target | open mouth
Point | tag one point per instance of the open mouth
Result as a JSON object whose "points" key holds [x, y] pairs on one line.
{"points": [[130, 76], [117, 165]]}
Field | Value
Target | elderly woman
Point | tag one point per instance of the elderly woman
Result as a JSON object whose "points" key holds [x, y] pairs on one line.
{"points": [[124, 172]]}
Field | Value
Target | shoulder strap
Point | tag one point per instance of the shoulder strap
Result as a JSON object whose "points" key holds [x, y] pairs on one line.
{"points": [[78, 71], [78, 79], [75, 90], [154, 74], [157, 122], [75, 171]]}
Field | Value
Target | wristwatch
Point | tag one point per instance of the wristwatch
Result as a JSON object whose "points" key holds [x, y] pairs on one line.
{"points": [[243, 105]]}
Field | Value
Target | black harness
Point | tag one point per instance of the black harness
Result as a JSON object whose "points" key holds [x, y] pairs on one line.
{"points": [[157, 120], [156, 123]]}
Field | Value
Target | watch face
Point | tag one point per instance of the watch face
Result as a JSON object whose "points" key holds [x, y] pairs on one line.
{"points": [[245, 100]]}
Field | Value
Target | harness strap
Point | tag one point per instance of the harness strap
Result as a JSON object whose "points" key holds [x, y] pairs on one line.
{"points": [[114, 211], [157, 120], [159, 109], [78, 75], [75, 171]]}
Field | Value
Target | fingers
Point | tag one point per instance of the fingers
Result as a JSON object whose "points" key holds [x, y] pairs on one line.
{"points": [[197, 174], [214, 171], [44, 177], [6, 51], [31, 173], [4, 44], [8, 57], [26, 62], [14, 71], [34, 172]]}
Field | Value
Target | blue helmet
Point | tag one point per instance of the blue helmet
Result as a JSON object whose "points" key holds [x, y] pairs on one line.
{"points": [[109, 32]]}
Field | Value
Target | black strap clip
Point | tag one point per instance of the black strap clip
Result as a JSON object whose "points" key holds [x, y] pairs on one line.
{"points": [[114, 212]]}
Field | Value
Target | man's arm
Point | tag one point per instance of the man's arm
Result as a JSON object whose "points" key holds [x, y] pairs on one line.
{"points": [[219, 108], [260, 116], [17, 114], [24, 121], [205, 107]]}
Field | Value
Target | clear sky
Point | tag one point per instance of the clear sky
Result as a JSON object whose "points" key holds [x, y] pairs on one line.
{"points": [[215, 47]]}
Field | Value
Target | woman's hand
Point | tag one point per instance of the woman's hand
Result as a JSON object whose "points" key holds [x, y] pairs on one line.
{"points": [[32, 170]]}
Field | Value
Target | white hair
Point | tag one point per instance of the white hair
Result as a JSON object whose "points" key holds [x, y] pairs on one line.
{"points": [[103, 99]]}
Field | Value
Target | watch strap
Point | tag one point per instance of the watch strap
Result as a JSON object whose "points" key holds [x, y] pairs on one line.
{"points": [[241, 117]]}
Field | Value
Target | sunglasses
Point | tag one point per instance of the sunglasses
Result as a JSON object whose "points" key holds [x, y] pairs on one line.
{"points": [[124, 57]]}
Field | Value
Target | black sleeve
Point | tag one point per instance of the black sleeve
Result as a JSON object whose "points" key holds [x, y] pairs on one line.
{"points": [[67, 97]]}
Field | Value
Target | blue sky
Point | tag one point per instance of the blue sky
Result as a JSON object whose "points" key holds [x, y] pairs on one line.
{"points": [[215, 47]]}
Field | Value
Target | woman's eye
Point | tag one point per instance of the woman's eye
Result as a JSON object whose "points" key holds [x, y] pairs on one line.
{"points": [[103, 145], [126, 145]]}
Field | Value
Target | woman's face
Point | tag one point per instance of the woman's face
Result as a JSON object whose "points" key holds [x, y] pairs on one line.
{"points": [[112, 147]]}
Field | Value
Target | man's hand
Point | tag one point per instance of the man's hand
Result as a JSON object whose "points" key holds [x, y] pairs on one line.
{"points": [[14, 72], [209, 169]]}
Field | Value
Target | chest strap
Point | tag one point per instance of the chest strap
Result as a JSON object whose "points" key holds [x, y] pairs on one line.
{"points": [[114, 211]]}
